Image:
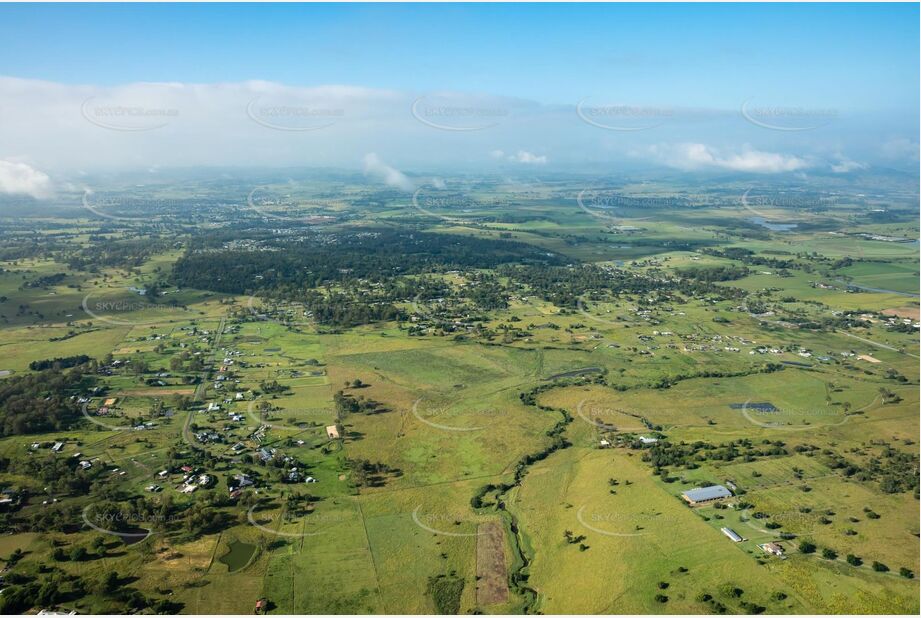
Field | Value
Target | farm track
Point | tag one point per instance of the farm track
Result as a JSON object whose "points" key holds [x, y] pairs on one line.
{"points": [[202, 385], [877, 344]]}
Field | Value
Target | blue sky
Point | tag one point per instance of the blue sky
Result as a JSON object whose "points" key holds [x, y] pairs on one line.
{"points": [[774, 88], [858, 56]]}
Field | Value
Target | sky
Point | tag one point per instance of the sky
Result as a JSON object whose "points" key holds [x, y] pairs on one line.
{"points": [[757, 88]]}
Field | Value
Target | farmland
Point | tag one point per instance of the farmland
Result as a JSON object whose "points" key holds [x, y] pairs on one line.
{"points": [[492, 402]]}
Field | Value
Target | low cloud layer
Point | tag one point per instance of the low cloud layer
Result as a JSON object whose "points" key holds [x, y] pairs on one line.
{"points": [[68, 129], [701, 156], [392, 177], [22, 179]]}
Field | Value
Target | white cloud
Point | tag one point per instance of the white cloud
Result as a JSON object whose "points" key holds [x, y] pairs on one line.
{"points": [[845, 165], [22, 179], [692, 156], [392, 177], [528, 158], [900, 148]]}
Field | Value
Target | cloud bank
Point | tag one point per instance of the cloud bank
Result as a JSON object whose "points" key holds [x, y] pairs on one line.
{"points": [[392, 177], [22, 179], [65, 128], [701, 156]]}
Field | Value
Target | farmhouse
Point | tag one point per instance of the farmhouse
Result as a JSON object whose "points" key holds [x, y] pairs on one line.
{"points": [[703, 495], [332, 432], [772, 548], [731, 534]]}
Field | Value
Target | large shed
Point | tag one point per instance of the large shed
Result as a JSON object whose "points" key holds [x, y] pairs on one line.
{"points": [[702, 495]]}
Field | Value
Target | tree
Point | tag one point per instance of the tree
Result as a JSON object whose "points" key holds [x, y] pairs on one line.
{"points": [[78, 554], [110, 581], [879, 567], [807, 547], [829, 554], [854, 560], [99, 545]]}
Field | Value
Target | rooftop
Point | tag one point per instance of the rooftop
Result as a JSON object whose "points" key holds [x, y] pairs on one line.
{"points": [[701, 494]]}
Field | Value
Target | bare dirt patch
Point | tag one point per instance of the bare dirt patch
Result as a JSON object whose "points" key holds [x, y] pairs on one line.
{"points": [[491, 570], [904, 312]]}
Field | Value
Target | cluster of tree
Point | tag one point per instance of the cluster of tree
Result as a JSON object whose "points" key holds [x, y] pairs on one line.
{"points": [[689, 455], [894, 470], [366, 473], [43, 282], [57, 587], [117, 253], [346, 310], [273, 387], [347, 403], [374, 254], [747, 256], [61, 475], [709, 274], [40, 402], [65, 362]]}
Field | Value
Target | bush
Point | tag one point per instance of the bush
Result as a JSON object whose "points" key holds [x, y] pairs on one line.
{"points": [[854, 560], [730, 590], [906, 573], [661, 598], [446, 592], [806, 547], [879, 567], [829, 554]]}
